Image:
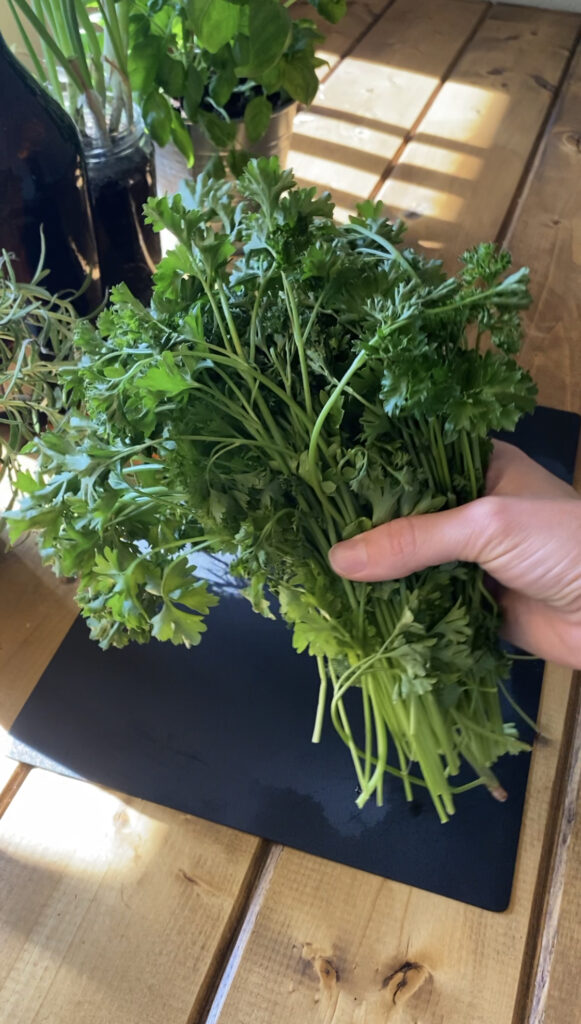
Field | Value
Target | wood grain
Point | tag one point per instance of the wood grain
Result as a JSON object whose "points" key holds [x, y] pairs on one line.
{"points": [[455, 180], [36, 610], [113, 910], [549, 221], [370, 103], [560, 999], [553, 990], [340, 38]]}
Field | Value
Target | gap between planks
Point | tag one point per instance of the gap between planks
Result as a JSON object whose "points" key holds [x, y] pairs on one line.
{"points": [[409, 135], [355, 42], [214, 988], [10, 789], [531, 163]]}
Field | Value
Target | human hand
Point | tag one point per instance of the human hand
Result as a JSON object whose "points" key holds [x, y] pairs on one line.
{"points": [[525, 533]]}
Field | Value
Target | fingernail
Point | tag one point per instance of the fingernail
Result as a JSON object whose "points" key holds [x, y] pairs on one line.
{"points": [[349, 558]]}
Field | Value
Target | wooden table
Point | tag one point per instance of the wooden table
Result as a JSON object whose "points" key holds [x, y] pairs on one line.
{"points": [[466, 119]]}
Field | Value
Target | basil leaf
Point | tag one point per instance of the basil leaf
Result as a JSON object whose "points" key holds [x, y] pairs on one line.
{"points": [[181, 137], [332, 10], [215, 22], [172, 76], [298, 77], [193, 92], [222, 133], [157, 115], [257, 117], [222, 86], [143, 63], [269, 33]]}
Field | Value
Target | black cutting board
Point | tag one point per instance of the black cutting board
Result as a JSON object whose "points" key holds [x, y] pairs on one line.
{"points": [[223, 732]]}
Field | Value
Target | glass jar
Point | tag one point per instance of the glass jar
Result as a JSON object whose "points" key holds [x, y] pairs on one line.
{"points": [[121, 174]]}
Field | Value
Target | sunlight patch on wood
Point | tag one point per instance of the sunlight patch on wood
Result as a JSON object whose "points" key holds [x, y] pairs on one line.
{"points": [[76, 829], [423, 201], [434, 158], [467, 113]]}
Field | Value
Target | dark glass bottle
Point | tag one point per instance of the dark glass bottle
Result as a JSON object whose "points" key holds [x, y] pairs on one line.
{"points": [[43, 181]]}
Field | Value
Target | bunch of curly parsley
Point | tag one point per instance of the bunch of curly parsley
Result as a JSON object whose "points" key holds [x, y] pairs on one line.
{"points": [[294, 382]]}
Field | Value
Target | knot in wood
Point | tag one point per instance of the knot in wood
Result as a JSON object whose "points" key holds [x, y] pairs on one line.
{"points": [[400, 980], [573, 141], [327, 971]]}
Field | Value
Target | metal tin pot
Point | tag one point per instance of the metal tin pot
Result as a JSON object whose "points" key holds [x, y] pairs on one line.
{"points": [[171, 166]]}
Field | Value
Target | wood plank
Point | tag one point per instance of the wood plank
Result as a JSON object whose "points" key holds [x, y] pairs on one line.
{"points": [[113, 910], [339, 38], [36, 610], [562, 1002], [365, 110], [549, 220], [553, 992], [454, 182]]}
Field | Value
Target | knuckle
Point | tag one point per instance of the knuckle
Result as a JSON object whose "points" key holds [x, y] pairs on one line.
{"points": [[401, 539], [489, 518]]}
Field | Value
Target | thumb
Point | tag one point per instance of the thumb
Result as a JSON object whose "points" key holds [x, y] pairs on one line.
{"points": [[412, 543]]}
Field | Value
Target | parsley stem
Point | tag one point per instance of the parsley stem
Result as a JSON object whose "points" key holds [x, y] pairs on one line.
{"points": [[254, 316], [236, 390], [266, 382], [341, 723], [468, 463], [333, 398], [230, 321], [468, 300], [367, 728], [199, 543], [389, 247], [313, 316], [299, 341], [217, 316], [375, 783], [440, 453], [514, 704], [318, 726], [477, 460]]}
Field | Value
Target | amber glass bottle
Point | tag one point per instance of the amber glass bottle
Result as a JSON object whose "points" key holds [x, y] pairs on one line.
{"points": [[43, 183]]}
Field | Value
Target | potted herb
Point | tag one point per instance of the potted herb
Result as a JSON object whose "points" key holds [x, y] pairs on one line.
{"points": [[36, 334], [85, 45], [223, 77], [270, 405]]}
